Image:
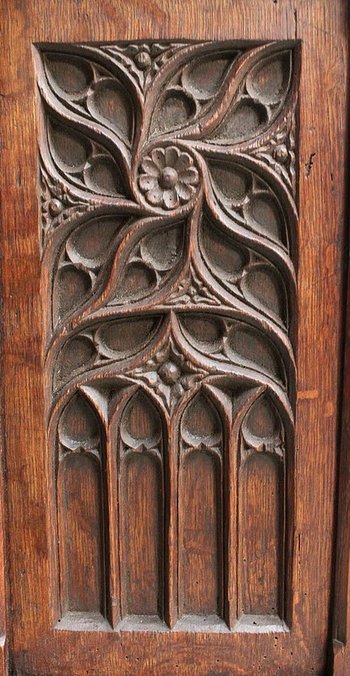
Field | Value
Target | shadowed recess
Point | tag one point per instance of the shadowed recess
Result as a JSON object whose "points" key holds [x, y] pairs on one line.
{"points": [[80, 501], [141, 509], [201, 509]]}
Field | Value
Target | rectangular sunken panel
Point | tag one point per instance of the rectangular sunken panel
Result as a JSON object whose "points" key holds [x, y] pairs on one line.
{"points": [[169, 250]]}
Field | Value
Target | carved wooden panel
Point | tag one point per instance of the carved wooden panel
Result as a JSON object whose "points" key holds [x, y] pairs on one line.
{"points": [[169, 251]]}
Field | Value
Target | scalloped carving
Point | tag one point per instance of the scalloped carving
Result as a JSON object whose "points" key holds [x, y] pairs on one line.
{"points": [[169, 249]]}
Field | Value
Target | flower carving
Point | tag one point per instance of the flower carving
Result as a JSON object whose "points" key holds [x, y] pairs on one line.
{"points": [[168, 177], [169, 373], [185, 155], [168, 233]]}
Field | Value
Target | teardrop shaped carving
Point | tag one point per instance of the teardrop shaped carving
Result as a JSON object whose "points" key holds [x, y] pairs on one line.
{"points": [[71, 74], [77, 355], [175, 110], [110, 103], [137, 281], [150, 263], [122, 338], [244, 121], [102, 175], [262, 424], [206, 333], [264, 284], [252, 347], [204, 76], [140, 424], [70, 148], [161, 250], [269, 80], [72, 288], [83, 161], [201, 423], [249, 199], [259, 101], [232, 181], [79, 426], [89, 243], [221, 253]]}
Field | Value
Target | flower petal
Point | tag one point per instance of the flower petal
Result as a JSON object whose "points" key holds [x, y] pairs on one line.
{"points": [[171, 156], [158, 157], [190, 176], [170, 199], [147, 182], [154, 196], [184, 191], [149, 167], [183, 162]]}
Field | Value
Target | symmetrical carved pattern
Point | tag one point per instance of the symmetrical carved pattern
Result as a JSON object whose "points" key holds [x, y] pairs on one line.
{"points": [[169, 251]]}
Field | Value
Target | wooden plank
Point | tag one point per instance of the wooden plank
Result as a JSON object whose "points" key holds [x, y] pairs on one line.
{"points": [[340, 655], [320, 26]]}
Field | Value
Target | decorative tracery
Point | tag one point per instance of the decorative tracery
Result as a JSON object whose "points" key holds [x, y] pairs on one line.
{"points": [[169, 250]]}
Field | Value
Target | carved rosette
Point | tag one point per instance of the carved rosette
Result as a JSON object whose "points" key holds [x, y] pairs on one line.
{"points": [[169, 244]]}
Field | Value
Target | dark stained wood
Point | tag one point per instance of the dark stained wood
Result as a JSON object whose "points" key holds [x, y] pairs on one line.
{"points": [[157, 480], [131, 304]]}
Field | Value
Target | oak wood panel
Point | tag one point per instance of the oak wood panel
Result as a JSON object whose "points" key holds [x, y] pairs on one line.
{"points": [[135, 281], [322, 29], [341, 620]]}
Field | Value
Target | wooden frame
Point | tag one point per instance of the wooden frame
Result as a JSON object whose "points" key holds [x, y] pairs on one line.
{"points": [[321, 29]]}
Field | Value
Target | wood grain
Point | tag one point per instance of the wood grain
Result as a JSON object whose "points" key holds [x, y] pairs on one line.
{"points": [[34, 646]]}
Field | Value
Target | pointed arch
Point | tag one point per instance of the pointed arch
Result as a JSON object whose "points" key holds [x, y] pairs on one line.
{"points": [[261, 509], [142, 480], [82, 521], [202, 543]]}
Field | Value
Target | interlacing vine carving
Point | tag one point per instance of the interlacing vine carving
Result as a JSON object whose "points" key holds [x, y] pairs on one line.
{"points": [[169, 236]]}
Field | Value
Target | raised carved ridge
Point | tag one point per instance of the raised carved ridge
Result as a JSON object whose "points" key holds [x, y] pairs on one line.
{"points": [[169, 252]]}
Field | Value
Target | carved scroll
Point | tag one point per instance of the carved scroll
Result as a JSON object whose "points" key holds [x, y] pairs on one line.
{"points": [[169, 252]]}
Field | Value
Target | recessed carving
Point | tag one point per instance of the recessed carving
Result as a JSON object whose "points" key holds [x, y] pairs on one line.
{"points": [[259, 100], [81, 517], [142, 511], [168, 178], [169, 247], [201, 499], [262, 517], [86, 162], [249, 199]]}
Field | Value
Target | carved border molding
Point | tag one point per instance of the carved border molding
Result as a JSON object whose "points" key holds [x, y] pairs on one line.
{"points": [[169, 248]]}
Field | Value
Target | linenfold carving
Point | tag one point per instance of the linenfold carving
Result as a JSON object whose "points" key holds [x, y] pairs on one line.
{"points": [[169, 253]]}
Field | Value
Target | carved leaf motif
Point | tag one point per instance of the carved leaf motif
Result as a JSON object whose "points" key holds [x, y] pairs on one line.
{"points": [[234, 341], [249, 200], [169, 236], [84, 255], [189, 93], [86, 163], [169, 374], [260, 99], [243, 271], [150, 264], [108, 342], [143, 60], [59, 205], [91, 90]]}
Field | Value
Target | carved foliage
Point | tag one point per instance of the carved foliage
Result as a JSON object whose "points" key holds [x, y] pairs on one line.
{"points": [[169, 243]]}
